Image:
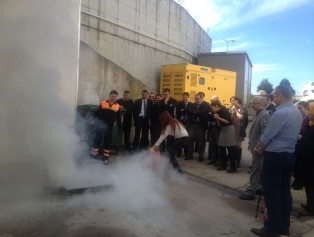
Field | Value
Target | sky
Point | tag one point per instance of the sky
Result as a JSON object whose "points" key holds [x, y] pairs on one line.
{"points": [[278, 35]]}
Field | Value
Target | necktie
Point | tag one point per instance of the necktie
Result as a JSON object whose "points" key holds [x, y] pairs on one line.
{"points": [[145, 107]]}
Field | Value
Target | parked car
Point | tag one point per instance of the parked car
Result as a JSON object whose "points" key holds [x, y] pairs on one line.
{"points": [[307, 91]]}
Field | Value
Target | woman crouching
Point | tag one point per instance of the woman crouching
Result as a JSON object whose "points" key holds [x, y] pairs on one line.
{"points": [[172, 127]]}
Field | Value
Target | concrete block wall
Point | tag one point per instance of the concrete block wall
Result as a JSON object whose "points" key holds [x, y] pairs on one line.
{"points": [[141, 35]]}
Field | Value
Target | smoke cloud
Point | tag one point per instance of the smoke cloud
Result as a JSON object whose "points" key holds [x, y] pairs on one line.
{"points": [[37, 148]]}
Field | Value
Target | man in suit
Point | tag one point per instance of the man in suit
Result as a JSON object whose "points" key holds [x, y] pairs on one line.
{"points": [[182, 115], [155, 125], [168, 104], [258, 126], [127, 104], [197, 126], [142, 111]]}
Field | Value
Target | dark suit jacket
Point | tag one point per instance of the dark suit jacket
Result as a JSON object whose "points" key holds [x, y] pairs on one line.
{"points": [[137, 107], [181, 110], [157, 110], [200, 113], [128, 105], [169, 106]]}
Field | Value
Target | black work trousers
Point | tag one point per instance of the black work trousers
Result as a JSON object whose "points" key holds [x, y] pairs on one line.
{"points": [[309, 191], [103, 131], [154, 133], [141, 133], [126, 129]]}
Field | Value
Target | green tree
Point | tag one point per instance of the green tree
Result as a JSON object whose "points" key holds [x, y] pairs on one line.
{"points": [[266, 86], [285, 82]]}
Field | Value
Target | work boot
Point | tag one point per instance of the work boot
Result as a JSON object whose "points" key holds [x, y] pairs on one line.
{"points": [[238, 157], [105, 160], [92, 156]]}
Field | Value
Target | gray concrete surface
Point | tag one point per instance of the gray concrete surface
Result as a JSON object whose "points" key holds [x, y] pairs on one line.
{"points": [[139, 36]]}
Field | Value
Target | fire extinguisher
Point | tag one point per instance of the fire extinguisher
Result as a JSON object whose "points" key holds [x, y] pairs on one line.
{"points": [[155, 160]]}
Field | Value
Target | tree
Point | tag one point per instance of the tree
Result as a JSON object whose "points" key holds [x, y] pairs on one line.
{"points": [[285, 82], [266, 86]]}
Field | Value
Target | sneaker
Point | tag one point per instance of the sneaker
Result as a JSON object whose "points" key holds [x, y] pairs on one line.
{"points": [[106, 162]]}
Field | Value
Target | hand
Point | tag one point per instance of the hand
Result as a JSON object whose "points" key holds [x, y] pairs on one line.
{"points": [[258, 150], [216, 116], [153, 148], [300, 136]]}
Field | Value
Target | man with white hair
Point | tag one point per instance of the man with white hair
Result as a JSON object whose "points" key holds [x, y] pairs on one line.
{"points": [[258, 126], [261, 92]]}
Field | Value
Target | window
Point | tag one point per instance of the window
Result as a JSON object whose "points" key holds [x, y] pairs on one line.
{"points": [[202, 81]]}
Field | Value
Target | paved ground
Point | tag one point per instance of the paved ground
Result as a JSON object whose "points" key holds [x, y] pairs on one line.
{"points": [[140, 204]]}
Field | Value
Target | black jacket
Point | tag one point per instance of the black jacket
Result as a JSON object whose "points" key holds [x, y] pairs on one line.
{"points": [[169, 106], [181, 111], [128, 105], [197, 114], [137, 107]]}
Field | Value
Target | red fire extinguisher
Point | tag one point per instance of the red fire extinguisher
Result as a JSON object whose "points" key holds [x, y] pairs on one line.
{"points": [[156, 157]]}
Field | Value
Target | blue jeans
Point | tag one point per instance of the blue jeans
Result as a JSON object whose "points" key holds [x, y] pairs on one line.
{"points": [[277, 171]]}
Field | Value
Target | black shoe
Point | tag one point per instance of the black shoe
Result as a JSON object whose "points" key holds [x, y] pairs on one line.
{"points": [[179, 155], [222, 168], [283, 232], [232, 170], [200, 158], [179, 171], [258, 191], [212, 162], [303, 205], [246, 197], [297, 186], [188, 158], [128, 148], [250, 167], [249, 172], [238, 165], [263, 233], [93, 157]]}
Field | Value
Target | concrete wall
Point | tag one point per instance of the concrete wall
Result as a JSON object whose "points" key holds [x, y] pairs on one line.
{"points": [[138, 36], [238, 62]]}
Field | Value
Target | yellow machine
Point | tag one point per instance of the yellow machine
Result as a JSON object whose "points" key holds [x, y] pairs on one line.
{"points": [[192, 78]]}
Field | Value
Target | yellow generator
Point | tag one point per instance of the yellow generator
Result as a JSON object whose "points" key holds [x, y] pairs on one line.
{"points": [[192, 78]]}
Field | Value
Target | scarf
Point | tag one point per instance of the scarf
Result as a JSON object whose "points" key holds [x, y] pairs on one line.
{"points": [[311, 108]]}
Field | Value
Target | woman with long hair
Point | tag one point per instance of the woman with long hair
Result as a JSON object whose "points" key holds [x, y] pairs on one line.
{"points": [[239, 116], [307, 164], [172, 127]]}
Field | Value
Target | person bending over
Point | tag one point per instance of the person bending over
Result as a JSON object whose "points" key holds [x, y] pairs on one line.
{"points": [[172, 127]]}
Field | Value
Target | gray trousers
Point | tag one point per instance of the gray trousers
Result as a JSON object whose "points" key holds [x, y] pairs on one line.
{"points": [[255, 177]]}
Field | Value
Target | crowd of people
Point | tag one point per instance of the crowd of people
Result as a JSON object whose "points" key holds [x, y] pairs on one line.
{"points": [[281, 139]]}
